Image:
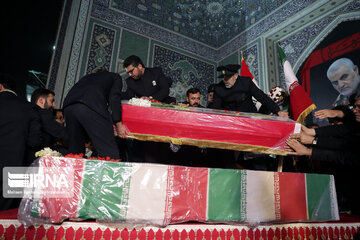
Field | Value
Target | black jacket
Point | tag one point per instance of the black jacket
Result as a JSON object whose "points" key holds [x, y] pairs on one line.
{"points": [[20, 129], [52, 131], [98, 91], [152, 84], [239, 97]]}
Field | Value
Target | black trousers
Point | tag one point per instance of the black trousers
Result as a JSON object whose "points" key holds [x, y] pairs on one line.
{"points": [[83, 124], [149, 152]]}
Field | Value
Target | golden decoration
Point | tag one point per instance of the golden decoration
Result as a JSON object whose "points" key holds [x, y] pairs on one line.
{"points": [[208, 143], [307, 111]]}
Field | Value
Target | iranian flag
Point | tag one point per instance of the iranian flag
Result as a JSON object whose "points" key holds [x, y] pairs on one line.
{"points": [[300, 102], [164, 194], [245, 72]]}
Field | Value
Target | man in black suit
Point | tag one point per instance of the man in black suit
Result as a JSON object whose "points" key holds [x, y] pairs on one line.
{"points": [[149, 83], [235, 93], [20, 128], [145, 82], [52, 131], [87, 115]]}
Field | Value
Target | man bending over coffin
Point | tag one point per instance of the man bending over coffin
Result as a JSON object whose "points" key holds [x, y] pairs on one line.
{"points": [[87, 115], [235, 93]]}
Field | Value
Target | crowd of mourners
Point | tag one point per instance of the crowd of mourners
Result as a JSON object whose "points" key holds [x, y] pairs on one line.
{"points": [[90, 123]]}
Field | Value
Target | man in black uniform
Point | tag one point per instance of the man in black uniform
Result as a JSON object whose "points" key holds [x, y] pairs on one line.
{"points": [[235, 93], [20, 129], [52, 131], [87, 115], [145, 82], [148, 83]]}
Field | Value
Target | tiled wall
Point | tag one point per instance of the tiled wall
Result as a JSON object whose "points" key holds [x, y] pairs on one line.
{"points": [[104, 38]]}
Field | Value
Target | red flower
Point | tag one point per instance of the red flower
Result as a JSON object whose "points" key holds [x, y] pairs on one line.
{"points": [[81, 155]]}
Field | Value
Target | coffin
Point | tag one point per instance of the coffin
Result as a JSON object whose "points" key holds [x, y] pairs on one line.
{"points": [[160, 195], [209, 128]]}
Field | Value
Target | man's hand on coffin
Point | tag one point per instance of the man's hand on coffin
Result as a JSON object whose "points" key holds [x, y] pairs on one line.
{"points": [[327, 113], [308, 131], [122, 130], [302, 137], [298, 148], [283, 114]]}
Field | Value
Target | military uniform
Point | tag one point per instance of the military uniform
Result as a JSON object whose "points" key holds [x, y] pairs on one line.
{"points": [[239, 96]]}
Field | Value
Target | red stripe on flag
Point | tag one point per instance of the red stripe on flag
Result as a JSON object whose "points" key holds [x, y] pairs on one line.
{"points": [[300, 103], [245, 72], [189, 199], [59, 209], [292, 196]]}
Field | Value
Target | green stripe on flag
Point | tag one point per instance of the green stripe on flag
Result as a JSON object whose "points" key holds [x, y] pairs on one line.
{"points": [[319, 196], [225, 195], [35, 209], [105, 190], [281, 55]]}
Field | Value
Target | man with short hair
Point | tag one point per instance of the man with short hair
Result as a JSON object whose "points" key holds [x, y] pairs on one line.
{"points": [[44, 98], [151, 83], [20, 129], [344, 76], [192, 98], [145, 82], [52, 131]]}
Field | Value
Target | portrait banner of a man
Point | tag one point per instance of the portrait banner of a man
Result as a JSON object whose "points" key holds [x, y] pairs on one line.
{"points": [[331, 74]]}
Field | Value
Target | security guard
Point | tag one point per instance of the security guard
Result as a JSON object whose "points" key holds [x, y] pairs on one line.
{"points": [[235, 93]]}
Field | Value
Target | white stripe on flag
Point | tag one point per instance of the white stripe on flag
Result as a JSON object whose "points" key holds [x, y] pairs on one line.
{"points": [[290, 77], [260, 196], [147, 193]]}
